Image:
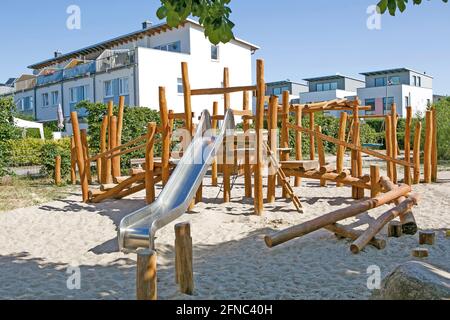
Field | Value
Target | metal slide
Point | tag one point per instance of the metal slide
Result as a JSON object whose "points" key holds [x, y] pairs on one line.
{"points": [[138, 229]]}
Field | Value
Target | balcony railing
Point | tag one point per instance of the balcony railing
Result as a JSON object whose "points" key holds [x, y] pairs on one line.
{"points": [[116, 60], [57, 76], [79, 70]]}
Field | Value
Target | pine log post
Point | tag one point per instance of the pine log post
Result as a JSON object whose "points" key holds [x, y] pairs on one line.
{"points": [[80, 156], [120, 115], [394, 141], [115, 166], [408, 177], [420, 253], [298, 141], [335, 216], [150, 164], [434, 146], [214, 121], [409, 225], [389, 164], [354, 153], [146, 275], [272, 122], [427, 237], [384, 219], [109, 161], [84, 141], [416, 152], [259, 123], [184, 258], [321, 152], [105, 169], [341, 149], [428, 146], [395, 229], [312, 142], [166, 133], [58, 170], [348, 233], [285, 156], [375, 181], [247, 164], [73, 161]]}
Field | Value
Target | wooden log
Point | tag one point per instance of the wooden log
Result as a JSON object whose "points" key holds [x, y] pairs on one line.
{"points": [[298, 141], [428, 146], [312, 144], [58, 170], [285, 156], [187, 97], [146, 275], [416, 152], [341, 149], [434, 146], [150, 163], [326, 168], [73, 161], [87, 163], [420, 253], [247, 163], [104, 172], [389, 165], [384, 219], [358, 156], [427, 237], [226, 95], [273, 135], [118, 189], [408, 177], [333, 217], [330, 176], [321, 152], [259, 122], [183, 258], [394, 141], [215, 91], [166, 133], [348, 233], [395, 229], [375, 181], [409, 225], [109, 161], [80, 156], [115, 161], [120, 114], [214, 172]]}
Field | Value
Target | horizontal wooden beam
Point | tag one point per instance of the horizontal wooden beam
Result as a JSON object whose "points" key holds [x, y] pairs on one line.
{"points": [[200, 92]]}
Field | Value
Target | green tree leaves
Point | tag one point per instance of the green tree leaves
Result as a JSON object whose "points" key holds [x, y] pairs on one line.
{"points": [[393, 5]]}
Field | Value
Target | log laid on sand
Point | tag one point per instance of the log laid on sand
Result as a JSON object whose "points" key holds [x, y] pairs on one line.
{"points": [[346, 232], [420, 253], [415, 280], [395, 229], [427, 237], [333, 217], [376, 226]]}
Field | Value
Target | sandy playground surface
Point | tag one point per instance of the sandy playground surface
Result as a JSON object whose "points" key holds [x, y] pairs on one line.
{"points": [[231, 261]]}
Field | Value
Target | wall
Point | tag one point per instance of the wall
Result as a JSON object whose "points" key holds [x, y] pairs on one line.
{"points": [[353, 85], [310, 97], [115, 74], [48, 113]]}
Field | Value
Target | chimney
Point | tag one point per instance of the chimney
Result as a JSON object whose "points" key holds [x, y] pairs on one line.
{"points": [[146, 24], [57, 54]]}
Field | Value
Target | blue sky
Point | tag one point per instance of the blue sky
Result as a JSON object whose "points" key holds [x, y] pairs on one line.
{"points": [[299, 38]]}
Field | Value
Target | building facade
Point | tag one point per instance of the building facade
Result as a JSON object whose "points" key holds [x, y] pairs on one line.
{"points": [[294, 89], [135, 66]]}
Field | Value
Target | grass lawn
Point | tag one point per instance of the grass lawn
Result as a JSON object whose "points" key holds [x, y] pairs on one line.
{"points": [[26, 192]]}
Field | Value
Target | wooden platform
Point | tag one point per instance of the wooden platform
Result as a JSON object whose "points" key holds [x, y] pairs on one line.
{"points": [[306, 165]]}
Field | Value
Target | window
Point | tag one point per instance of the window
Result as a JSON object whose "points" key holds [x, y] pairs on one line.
{"points": [[108, 89], [214, 52], [45, 100], [419, 81], [172, 47], [277, 91], [285, 89], [123, 86], [27, 104], [326, 87], [55, 98], [319, 87], [387, 103], [428, 103], [407, 101], [393, 81], [380, 82], [334, 86], [415, 80], [371, 103], [180, 87]]}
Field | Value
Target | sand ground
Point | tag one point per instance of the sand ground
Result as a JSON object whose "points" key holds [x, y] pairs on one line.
{"points": [[231, 261]]}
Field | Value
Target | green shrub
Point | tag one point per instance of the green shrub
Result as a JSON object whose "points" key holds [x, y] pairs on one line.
{"points": [[443, 125], [49, 151], [5, 157], [7, 128], [25, 152]]}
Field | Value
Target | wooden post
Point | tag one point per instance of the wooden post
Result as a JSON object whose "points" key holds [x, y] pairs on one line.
{"points": [[389, 168], [105, 169], [394, 141], [341, 149], [247, 165], [146, 275], [214, 127], [120, 124], [420, 253], [259, 123], [84, 141], [109, 178], [395, 229], [150, 164], [375, 181], [298, 141], [73, 161], [183, 258], [434, 147], [115, 165], [427, 237], [312, 144], [166, 132], [273, 130], [408, 177], [226, 96], [428, 146], [416, 152], [80, 157], [321, 152], [187, 97], [285, 156], [58, 170]]}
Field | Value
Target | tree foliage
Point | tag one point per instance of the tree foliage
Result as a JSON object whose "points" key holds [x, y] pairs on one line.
{"points": [[7, 111], [393, 5]]}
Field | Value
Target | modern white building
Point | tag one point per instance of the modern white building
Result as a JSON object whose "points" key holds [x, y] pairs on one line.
{"points": [[134, 66], [402, 86]]}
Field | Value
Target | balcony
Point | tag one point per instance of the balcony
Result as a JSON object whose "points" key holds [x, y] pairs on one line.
{"points": [[115, 60], [79, 71], [55, 77]]}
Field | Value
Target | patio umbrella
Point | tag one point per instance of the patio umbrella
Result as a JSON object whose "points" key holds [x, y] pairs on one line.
{"points": [[60, 117]]}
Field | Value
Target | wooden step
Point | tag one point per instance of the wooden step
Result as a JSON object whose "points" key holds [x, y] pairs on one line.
{"points": [[306, 165]]}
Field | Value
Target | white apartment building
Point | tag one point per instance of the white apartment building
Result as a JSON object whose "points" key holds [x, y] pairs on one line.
{"points": [[402, 86], [134, 66]]}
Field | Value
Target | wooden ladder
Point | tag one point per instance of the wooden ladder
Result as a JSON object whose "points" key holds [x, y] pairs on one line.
{"points": [[283, 178]]}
